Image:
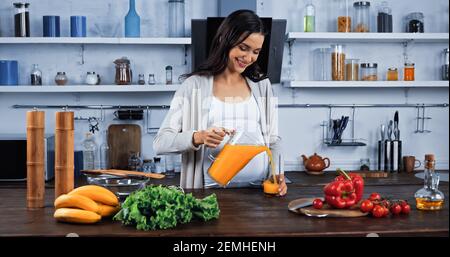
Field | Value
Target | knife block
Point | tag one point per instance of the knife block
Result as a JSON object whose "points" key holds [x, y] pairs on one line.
{"points": [[390, 156], [64, 153]]}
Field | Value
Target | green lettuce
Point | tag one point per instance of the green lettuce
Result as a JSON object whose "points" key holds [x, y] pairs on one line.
{"points": [[160, 207]]}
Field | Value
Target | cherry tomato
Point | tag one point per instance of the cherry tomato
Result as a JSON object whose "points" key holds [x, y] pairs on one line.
{"points": [[366, 206], [403, 203], [317, 203], [406, 209], [378, 211], [386, 211], [396, 209], [386, 203], [374, 197]]}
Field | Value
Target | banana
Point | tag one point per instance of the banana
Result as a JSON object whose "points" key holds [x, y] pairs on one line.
{"points": [[107, 210], [97, 193], [76, 216], [76, 201]]}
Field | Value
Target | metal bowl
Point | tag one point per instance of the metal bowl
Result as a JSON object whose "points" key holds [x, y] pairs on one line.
{"points": [[120, 186]]}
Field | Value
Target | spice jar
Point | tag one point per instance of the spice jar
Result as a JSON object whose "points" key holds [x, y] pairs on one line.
{"points": [[337, 62], [61, 78], [362, 16], [91, 78], [408, 72], [369, 71], [392, 74], [352, 69], [36, 76], [151, 79], [384, 18], [344, 21], [141, 80], [415, 22], [168, 75]]}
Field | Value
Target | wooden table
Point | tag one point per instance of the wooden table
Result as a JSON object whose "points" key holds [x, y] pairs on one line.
{"points": [[244, 212]]}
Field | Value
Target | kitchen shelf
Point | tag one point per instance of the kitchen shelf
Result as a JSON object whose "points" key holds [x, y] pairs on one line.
{"points": [[96, 40], [89, 89], [365, 84], [367, 37]]}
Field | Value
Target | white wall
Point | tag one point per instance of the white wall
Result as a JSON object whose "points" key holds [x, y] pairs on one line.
{"points": [[300, 128]]}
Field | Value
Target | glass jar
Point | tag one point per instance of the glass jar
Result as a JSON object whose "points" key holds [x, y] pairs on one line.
{"points": [[344, 20], [369, 71], [176, 18], [61, 78], [362, 16], [151, 79], [365, 164], [337, 62], [36, 76], [408, 72], [168, 75], [392, 74], [124, 74], [414, 22], [134, 162], [384, 18], [169, 161], [352, 69], [21, 20], [309, 19], [91, 78], [147, 165], [445, 65], [322, 64], [141, 80]]}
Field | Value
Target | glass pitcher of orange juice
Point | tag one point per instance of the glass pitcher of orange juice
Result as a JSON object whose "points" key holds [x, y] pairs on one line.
{"points": [[237, 152]]}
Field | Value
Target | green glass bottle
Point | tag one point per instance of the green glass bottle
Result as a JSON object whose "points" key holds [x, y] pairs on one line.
{"points": [[309, 19]]}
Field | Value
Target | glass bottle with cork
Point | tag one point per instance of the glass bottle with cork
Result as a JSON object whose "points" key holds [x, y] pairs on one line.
{"points": [[429, 197]]}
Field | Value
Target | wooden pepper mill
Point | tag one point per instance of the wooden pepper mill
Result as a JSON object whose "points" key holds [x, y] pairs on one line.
{"points": [[64, 153], [35, 159]]}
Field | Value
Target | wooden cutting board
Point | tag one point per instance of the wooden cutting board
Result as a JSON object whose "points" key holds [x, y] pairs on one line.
{"points": [[123, 139], [326, 210]]}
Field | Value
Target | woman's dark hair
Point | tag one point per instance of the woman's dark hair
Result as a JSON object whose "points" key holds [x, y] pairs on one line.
{"points": [[232, 31]]}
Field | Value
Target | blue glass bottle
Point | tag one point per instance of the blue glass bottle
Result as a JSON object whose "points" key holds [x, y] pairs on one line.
{"points": [[132, 22]]}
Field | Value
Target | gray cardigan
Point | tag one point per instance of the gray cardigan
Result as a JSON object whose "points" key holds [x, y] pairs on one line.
{"points": [[189, 113]]}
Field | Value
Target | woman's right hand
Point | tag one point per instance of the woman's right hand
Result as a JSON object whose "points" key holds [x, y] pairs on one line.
{"points": [[212, 137]]}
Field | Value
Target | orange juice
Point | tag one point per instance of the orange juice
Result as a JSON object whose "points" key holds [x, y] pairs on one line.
{"points": [[233, 159]]}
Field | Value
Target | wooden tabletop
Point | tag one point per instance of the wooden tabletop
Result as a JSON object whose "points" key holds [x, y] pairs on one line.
{"points": [[244, 212]]}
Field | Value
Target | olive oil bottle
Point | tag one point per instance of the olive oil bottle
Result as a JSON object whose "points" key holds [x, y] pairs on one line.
{"points": [[429, 197]]}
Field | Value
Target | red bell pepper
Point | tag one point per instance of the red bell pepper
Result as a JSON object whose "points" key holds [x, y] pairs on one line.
{"points": [[357, 180], [340, 194]]}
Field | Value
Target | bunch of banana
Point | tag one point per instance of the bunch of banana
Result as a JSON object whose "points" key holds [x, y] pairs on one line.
{"points": [[86, 204]]}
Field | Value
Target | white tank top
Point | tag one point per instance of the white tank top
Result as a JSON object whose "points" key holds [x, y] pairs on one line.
{"points": [[242, 116]]}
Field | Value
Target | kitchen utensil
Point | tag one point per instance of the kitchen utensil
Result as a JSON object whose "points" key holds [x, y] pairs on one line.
{"points": [[129, 114], [383, 132], [123, 139], [387, 156], [35, 159], [390, 130], [120, 186], [396, 126], [124, 173], [124, 74], [64, 152], [326, 210]]}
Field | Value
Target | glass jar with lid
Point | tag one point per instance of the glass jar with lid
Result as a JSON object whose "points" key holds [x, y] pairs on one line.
{"points": [[91, 78], [176, 18], [408, 72], [61, 78], [361, 16], [337, 62], [141, 79], [21, 20], [369, 71], [384, 18], [344, 20], [352, 69], [414, 22], [151, 79], [392, 74], [169, 75], [309, 18], [322, 64]]}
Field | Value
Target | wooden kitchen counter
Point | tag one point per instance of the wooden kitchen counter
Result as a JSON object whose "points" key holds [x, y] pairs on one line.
{"points": [[244, 212]]}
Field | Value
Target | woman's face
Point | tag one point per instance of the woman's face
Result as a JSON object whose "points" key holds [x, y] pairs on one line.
{"points": [[245, 53]]}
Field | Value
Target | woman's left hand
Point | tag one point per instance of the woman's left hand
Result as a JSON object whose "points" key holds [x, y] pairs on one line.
{"points": [[282, 189]]}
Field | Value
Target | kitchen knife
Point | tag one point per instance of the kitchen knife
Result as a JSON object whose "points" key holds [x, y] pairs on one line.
{"points": [[383, 132], [390, 130], [396, 125], [301, 203]]}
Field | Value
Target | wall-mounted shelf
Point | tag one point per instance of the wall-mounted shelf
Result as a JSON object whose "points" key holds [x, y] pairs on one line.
{"points": [[88, 88], [367, 37], [366, 84], [96, 40]]}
